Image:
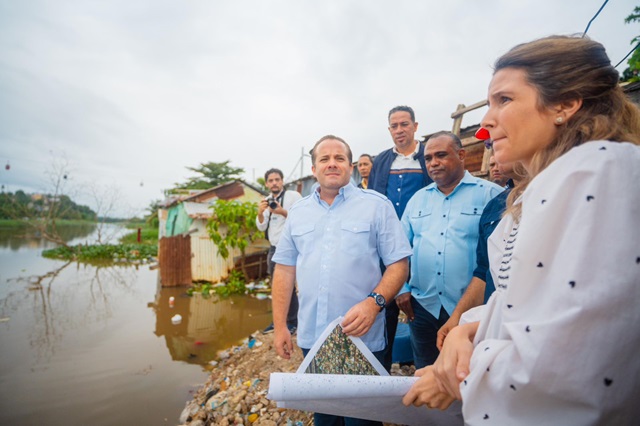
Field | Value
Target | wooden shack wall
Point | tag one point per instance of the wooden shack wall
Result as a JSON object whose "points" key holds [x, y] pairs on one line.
{"points": [[174, 257]]}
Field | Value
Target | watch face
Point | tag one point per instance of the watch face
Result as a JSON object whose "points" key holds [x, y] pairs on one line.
{"points": [[380, 300]]}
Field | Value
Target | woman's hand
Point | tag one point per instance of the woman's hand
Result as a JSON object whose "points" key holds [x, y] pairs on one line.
{"points": [[426, 392], [452, 365]]}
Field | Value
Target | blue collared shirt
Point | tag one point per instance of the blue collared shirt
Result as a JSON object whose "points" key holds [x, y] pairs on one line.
{"points": [[443, 230], [336, 250]]}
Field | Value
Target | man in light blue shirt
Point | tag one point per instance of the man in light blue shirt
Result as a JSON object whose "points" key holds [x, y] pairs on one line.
{"points": [[332, 244], [441, 221]]}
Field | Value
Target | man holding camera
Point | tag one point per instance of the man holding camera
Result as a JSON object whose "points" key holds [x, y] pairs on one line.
{"points": [[272, 214]]}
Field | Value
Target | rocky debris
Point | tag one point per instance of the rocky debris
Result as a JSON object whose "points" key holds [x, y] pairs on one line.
{"points": [[236, 391]]}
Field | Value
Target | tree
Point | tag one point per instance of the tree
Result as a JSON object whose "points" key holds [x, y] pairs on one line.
{"points": [[233, 225], [43, 211], [211, 174], [151, 218], [631, 74], [105, 199]]}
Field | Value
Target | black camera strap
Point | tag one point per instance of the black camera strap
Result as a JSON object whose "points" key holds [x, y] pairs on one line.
{"points": [[280, 200]]}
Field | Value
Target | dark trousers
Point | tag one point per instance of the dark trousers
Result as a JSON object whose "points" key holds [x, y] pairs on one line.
{"points": [[320, 419], [292, 315], [391, 312], [424, 334]]}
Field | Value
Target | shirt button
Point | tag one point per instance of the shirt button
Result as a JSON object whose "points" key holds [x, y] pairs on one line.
{"points": [[444, 215], [438, 273], [442, 233], [398, 189], [440, 293], [439, 252], [446, 198], [397, 204], [400, 176]]}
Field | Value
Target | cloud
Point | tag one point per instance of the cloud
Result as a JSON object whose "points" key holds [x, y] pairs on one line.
{"points": [[134, 92]]}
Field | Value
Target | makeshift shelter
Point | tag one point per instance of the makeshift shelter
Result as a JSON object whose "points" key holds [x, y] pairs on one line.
{"points": [[186, 253]]}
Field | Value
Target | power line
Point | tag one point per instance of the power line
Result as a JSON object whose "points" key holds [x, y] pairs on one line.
{"points": [[594, 17], [628, 54]]}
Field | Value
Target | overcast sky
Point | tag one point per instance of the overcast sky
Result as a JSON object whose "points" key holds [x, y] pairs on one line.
{"points": [[129, 93]]}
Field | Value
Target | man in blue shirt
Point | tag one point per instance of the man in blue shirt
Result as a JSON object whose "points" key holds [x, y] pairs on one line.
{"points": [[398, 173], [441, 221], [332, 244], [481, 285]]}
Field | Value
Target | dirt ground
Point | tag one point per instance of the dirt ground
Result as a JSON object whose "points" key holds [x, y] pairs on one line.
{"points": [[236, 391]]}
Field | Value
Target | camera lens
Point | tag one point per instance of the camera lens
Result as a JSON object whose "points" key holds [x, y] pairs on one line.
{"points": [[273, 204]]}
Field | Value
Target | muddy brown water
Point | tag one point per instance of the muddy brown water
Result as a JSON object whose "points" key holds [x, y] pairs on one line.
{"points": [[81, 344]]}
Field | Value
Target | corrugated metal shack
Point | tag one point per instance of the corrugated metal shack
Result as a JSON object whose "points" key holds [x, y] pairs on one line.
{"points": [[183, 232]]}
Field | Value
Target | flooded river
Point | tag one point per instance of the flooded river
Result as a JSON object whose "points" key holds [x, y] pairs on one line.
{"points": [[84, 345]]}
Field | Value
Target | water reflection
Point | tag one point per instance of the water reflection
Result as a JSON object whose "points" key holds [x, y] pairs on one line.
{"points": [[63, 301], [208, 325], [30, 238], [81, 346]]}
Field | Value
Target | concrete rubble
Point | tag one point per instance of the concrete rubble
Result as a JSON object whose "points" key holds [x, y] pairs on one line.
{"points": [[236, 391]]}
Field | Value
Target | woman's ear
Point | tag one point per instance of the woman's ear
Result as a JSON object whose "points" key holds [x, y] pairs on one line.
{"points": [[567, 109]]}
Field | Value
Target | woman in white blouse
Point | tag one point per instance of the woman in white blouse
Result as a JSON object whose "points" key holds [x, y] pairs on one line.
{"points": [[558, 343]]}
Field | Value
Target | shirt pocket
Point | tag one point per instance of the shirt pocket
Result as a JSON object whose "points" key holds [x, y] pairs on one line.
{"points": [[469, 221], [302, 236], [355, 237], [420, 220], [472, 210]]}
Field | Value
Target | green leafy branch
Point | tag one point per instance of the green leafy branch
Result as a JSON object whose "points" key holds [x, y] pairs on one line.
{"points": [[233, 225]]}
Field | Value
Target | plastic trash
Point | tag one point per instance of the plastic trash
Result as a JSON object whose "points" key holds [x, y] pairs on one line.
{"points": [[176, 319]]}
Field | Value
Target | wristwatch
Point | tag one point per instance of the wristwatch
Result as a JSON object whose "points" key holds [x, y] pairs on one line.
{"points": [[380, 300]]}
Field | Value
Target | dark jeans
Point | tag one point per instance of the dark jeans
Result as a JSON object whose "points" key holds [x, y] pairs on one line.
{"points": [[292, 315], [391, 312], [320, 419], [424, 334]]}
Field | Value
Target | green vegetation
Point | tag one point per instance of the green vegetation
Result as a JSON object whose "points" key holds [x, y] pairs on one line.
{"points": [[22, 223], [127, 251], [233, 225], [211, 174], [103, 253], [20, 205], [631, 73], [149, 236], [235, 285]]}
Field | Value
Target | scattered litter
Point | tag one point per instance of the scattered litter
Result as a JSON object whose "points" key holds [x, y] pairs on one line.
{"points": [[176, 319]]}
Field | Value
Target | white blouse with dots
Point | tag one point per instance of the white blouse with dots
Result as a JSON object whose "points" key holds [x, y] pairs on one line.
{"points": [[559, 340]]}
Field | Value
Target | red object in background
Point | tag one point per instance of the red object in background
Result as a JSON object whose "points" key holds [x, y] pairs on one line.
{"points": [[483, 134], [139, 234], [8, 166]]}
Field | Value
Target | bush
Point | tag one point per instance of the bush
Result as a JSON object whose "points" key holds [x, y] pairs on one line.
{"points": [[103, 252], [235, 285]]}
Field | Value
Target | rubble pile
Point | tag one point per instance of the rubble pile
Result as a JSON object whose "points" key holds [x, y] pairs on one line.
{"points": [[236, 392]]}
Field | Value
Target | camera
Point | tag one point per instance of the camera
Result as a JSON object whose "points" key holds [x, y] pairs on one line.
{"points": [[272, 202]]}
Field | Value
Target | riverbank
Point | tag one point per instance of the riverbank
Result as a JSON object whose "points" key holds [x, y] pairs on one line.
{"points": [[236, 391]]}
